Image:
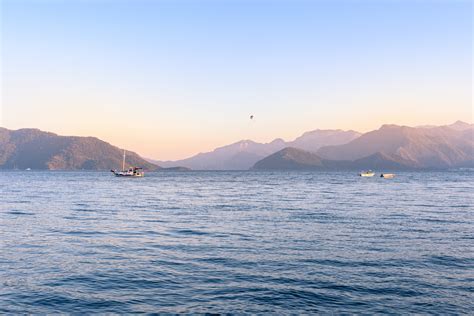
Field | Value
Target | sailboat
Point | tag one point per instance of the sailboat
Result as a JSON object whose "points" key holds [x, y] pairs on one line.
{"points": [[131, 172]]}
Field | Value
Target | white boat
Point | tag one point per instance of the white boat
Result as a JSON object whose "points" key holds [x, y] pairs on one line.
{"points": [[131, 172], [368, 173], [387, 175]]}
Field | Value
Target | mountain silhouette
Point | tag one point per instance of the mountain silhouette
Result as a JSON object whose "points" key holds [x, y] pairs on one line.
{"points": [[35, 149]]}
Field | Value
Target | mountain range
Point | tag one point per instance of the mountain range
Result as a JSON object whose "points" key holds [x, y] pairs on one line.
{"points": [[296, 159], [432, 147], [391, 147], [35, 149], [244, 154]]}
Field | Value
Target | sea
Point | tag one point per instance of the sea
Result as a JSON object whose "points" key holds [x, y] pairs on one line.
{"points": [[238, 242]]}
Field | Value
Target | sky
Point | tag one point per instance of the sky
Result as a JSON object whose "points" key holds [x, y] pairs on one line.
{"points": [[171, 78]]}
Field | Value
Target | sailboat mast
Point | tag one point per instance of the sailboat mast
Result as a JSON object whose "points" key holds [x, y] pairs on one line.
{"points": [[123, 161]]}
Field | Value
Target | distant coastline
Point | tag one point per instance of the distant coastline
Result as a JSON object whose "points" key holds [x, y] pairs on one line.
{"points": [[391, 147]]}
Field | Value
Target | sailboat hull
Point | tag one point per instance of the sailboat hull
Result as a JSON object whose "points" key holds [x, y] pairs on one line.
{"points": [[128, 173]]}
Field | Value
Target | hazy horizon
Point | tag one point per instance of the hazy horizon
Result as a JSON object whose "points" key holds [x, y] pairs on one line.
{"points": [[269, 141], [169, 79]]}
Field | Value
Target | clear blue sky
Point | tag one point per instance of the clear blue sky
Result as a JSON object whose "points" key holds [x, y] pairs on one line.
{"points": [[171, 78]]}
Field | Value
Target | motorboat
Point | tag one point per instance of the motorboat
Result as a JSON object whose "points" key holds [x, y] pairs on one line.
{"points": [[368, 173], [387, 175]]}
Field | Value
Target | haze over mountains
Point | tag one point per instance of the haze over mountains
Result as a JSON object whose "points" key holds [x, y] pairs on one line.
{"points": [[435, 147], [390, 147], [291, 158], [244, 154]]}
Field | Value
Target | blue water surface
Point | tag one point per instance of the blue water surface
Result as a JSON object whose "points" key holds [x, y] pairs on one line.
{"points": [[236, 242]]}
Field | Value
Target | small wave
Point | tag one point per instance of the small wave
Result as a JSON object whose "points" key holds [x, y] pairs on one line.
{"points": [[18, 212], [84, 233], [450, 261], [84, 210], [190, 232]]}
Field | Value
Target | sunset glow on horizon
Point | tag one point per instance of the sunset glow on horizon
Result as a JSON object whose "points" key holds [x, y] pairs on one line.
{"points": [[169, 79]]}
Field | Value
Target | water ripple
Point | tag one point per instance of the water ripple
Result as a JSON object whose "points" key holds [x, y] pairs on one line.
{"points": [[236, 242]]}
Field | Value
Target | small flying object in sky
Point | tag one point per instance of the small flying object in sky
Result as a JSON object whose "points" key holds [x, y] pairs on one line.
{"points": [[251, 117]]}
